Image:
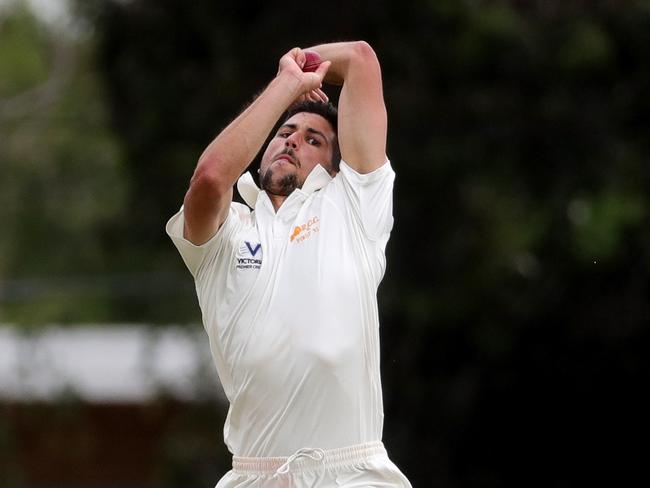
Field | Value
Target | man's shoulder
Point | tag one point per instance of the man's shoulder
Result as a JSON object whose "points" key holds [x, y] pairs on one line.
{"points": [[242, 214], [242, 210], [380, 180]]}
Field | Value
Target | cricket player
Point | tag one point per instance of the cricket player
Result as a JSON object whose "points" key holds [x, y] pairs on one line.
{"points": [[287, 283]]}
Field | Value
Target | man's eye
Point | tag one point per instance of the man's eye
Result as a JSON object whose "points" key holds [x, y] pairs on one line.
{"points": [[284, 135], [313, 141]]}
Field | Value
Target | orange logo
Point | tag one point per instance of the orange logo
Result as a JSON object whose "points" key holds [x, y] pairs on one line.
{"points": [[304, 231]]}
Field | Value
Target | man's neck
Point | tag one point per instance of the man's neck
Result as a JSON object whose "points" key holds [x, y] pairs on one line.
{"points": [[276, 200], [322, 177]]}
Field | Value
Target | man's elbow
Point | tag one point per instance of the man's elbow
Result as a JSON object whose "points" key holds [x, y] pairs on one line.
{"points": [[205, 205], [364, 54], [208, 182]]}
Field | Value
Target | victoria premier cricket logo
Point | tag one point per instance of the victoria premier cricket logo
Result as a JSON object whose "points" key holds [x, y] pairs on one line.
{"points": [[249, 255]]}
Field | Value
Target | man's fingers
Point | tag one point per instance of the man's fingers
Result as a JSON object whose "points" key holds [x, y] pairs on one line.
{"points": [[294, 57], [293, 61], [321, 71], [316, 95], [321, 95], [299, 56]]}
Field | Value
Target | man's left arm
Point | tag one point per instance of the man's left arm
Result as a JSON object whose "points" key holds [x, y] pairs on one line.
{"points": [[362, 120]]}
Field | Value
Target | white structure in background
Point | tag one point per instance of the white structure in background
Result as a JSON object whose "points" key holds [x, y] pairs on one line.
{"points": [[103, 364], [50, 11]]}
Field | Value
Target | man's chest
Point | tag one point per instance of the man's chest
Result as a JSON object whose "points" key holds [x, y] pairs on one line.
{"points": [[311, 257]]}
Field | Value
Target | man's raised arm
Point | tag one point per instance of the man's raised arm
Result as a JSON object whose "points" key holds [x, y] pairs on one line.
{"points": [[362, 123], [208, 199]]}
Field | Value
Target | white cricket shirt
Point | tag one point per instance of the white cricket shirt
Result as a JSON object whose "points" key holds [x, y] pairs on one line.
{"points": [[289, 303]]}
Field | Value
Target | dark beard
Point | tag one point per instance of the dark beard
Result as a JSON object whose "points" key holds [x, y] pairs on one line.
{"points": [[283, 188]]}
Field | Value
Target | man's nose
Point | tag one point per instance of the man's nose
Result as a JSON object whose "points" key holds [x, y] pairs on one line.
{"points": [[291, 141]]}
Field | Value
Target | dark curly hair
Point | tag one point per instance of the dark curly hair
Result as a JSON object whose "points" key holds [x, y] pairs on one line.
{"points": [[325, 110]]}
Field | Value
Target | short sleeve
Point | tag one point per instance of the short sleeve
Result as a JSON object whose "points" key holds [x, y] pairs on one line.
{"points": [[195, 256], [370, 197]]}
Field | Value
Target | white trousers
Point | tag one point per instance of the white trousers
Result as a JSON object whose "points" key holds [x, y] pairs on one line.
{"points": [[361, 466]]}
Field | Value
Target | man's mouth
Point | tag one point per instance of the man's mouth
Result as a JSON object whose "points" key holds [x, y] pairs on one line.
{"points": [[288, 158]]}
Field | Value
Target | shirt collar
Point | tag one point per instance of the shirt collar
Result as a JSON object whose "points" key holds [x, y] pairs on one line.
{"points": [[317, 179]]}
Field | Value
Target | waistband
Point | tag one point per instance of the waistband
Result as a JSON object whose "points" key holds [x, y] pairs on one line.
{"points": [[308, 458]]}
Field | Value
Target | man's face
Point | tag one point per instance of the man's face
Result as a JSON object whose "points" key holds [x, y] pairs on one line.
{"points": [[302, 142]]}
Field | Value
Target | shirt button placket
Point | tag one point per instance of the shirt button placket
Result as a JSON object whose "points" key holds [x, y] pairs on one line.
{"points": [[277, 229]]}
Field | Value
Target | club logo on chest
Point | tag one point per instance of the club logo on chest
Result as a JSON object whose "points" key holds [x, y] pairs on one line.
{"points": [[249, 255], [304, 231]]}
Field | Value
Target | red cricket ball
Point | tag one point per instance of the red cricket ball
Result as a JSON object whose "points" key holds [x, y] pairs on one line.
{"points": [[312, 62]]}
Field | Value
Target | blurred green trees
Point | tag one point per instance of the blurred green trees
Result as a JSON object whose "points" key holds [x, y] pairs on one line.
{"points": [[61, 173]]}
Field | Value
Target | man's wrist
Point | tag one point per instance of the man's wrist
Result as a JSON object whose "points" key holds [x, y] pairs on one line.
{"points": [[289, 84]]}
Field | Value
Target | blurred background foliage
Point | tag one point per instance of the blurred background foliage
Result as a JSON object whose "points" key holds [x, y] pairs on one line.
{"points": [[515, 306]]}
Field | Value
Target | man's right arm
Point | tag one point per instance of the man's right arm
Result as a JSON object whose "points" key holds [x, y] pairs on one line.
{"points": [[207, 201]]}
